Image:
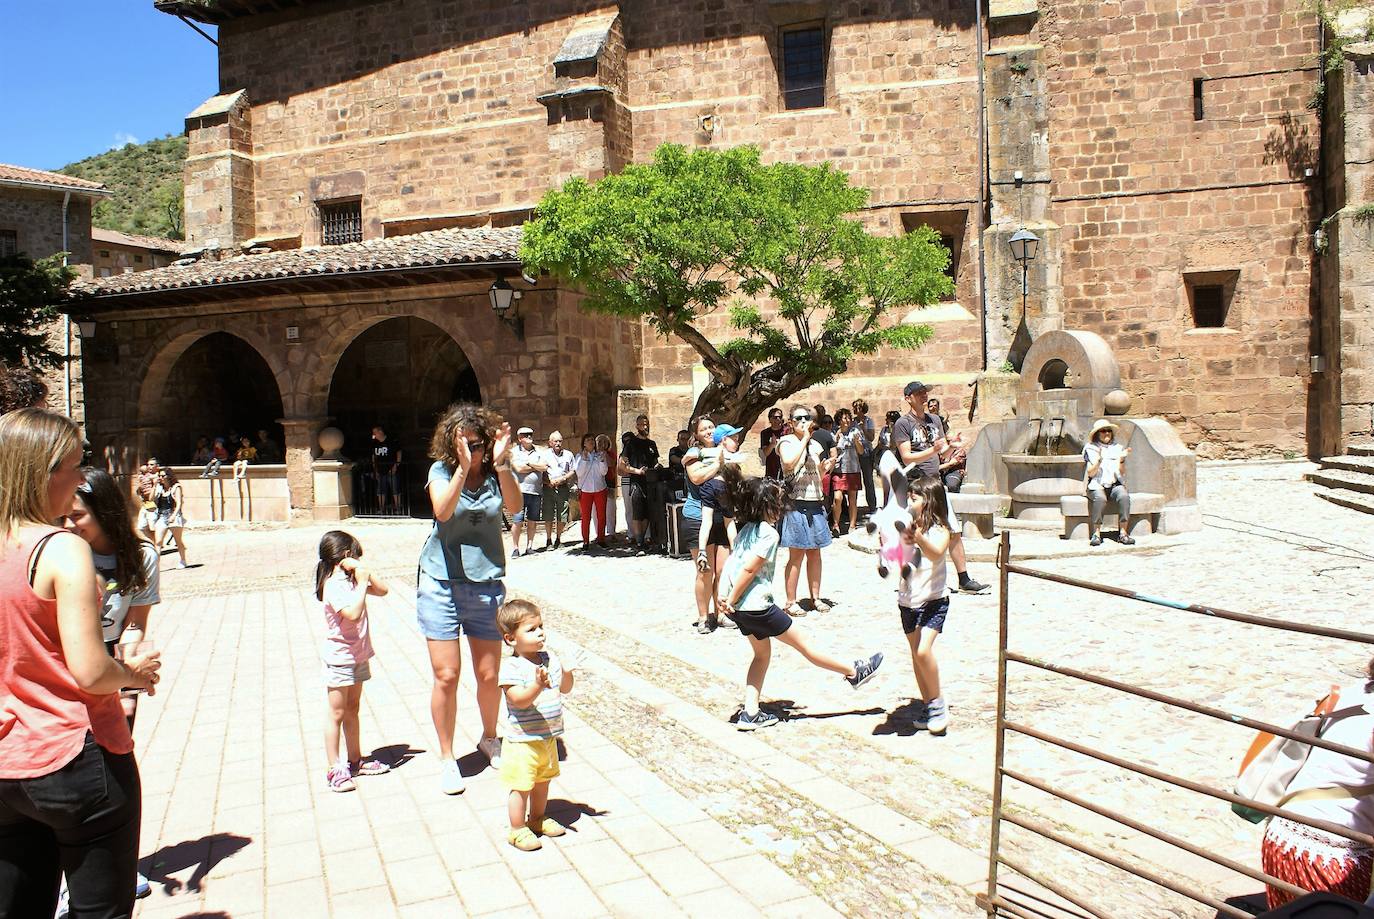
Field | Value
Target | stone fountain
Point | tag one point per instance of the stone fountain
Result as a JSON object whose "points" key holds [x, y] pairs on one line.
{"points": [[1034, 461]]}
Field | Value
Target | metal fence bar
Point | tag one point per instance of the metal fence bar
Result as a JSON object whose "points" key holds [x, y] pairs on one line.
{"points": [[1053, 888], [1003, 566], [1156, 833], [1003, 905], [1285, 625], [1035, 826], [1191, 706], [1326, 825]]}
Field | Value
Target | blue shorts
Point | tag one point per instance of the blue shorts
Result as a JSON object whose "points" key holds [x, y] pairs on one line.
{"points": [[929, 615], [805, 526], [446, 608], [531, 510], [769, 623]]}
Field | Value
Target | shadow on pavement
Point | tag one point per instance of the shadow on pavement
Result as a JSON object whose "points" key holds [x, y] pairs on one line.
{"points": [[901, 720], [1252, 903], [569, 812], [204, 853], [789, 710], [396, 755]]}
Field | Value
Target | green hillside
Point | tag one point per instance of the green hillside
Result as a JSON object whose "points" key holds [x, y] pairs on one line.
{"points": [[146, 181]]}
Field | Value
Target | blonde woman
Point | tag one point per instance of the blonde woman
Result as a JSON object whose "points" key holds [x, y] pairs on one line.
{"points": [[70, 799]]}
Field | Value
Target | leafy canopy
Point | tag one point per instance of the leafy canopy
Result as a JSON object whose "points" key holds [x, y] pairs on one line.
{"points": [[674, 240], [29, 292]]}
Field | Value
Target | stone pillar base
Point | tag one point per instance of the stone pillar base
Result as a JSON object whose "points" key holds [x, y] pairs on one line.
{"points": [[333, 480]]}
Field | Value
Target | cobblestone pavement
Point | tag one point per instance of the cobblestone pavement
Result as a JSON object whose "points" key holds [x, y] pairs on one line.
{"points": [[844, 807]]}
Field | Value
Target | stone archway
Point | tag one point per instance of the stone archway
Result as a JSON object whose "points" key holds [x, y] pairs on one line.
{"points": [[207, 382], [398, 374]]}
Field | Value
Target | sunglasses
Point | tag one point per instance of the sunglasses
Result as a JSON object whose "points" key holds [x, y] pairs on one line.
{"points": [[476, 445], [800, 417]]}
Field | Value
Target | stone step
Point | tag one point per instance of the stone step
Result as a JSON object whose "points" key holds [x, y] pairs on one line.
{"points": [[1351, 499], [1362, 482], [1350, 463], [1363, 448]]}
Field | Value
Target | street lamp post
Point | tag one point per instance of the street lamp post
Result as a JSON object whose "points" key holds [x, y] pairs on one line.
{"points": [[503, 298], [1024, 244]]}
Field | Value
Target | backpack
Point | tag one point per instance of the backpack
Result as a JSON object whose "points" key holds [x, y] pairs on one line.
{"points": [[1272, 762]]}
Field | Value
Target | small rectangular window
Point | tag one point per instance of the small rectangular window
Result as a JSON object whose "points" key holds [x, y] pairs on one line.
{"points": [[1197, 99], [9, 243], [341, 223], [803, 68], [1209, 297], [138, 259], [104, 253]]}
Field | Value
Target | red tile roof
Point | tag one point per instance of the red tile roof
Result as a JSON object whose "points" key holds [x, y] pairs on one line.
{"points": [[137, 241], [436, 249], [19, 175]]}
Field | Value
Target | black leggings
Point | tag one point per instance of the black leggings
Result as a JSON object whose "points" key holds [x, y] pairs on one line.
{"points": [[81, 821]]}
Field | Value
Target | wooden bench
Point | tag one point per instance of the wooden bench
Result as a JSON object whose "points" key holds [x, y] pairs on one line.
{"points": [[1145, 508], [976, 512]]}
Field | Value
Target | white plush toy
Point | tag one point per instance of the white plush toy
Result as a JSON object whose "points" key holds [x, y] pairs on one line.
{"points": [[892, 520]]}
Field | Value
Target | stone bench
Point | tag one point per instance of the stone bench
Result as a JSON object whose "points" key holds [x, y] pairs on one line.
{"points": [[976, 512], [1145, 510]]}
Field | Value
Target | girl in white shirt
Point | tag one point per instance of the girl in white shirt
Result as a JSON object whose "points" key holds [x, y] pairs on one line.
{"points": [[591, 466], [922, 598]]}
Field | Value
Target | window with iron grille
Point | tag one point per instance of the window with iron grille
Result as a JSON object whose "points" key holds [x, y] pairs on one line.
{"points": [[9, 243], [803, 67], [1209, 297], [341, 223]]}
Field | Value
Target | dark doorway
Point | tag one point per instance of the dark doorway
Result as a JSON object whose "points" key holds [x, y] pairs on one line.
{"points": [[400, 375], [220, 386]]}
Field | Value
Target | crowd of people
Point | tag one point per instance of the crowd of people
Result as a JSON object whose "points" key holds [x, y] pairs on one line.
{"points": [[239, 450]]}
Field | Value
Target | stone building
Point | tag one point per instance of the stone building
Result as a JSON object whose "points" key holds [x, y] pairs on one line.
{"points": [[113, 252], [42, 213], [358, 184]]}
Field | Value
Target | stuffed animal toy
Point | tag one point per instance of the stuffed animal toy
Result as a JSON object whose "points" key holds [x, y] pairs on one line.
{"points": [[892, 520]]}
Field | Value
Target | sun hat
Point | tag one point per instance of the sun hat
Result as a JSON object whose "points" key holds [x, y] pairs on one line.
{"points": [[524, 431], [1101, 424], [723, 431], [915, 386]]}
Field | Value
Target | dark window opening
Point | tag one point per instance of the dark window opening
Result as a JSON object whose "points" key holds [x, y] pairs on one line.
{"points": [[341, 223], [104, 253], [803, 68], [138, 259], [949, 227], [952, 269], [1209, 297], [9, 243], [1197, 99]]}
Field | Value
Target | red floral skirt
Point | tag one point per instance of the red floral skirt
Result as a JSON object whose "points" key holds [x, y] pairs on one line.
{"points": [[1315, 861]]}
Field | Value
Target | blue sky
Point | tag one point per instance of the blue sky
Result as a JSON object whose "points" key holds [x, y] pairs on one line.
{"points": [[80, 77]]}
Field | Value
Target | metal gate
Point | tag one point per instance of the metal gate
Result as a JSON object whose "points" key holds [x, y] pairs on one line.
{"points": [[1002, 899]]}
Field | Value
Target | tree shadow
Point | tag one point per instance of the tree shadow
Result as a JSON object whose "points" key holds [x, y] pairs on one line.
{"points": [[569, 813], [396, 755], [204, 853], [1292, 144]]}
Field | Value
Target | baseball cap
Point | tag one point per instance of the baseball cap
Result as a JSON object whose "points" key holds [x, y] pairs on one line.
{"points": [[524, 431], [723, 431], [915, 386]]}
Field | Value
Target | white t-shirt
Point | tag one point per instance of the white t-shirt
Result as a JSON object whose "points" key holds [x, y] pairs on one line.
{"points": [[560, 464], [543, 718], [115, 605], [1109, 473], [531, 482], [927, 579], [754, 540], [1326, 768]]}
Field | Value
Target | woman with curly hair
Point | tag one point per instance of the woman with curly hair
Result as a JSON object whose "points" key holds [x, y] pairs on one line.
{"points": [[462, 565]]}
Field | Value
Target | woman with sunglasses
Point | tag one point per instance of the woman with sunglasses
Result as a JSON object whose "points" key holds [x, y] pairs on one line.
{"points": [[462, 566], [805, 530]]}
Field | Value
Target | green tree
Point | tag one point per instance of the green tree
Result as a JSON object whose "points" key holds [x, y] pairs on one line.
{"points": [[674, 240], [29, 294]]}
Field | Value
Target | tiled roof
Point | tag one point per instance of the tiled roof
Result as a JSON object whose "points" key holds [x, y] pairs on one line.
{"points": [[19, 175], [438, 248], [138, 241]]}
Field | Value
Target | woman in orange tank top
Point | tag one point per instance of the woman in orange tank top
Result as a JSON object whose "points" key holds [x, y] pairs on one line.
{"points": [[70, 800]]}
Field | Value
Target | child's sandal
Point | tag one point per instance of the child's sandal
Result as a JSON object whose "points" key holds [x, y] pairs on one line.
{"points": [[524, 839], [546, 826]]}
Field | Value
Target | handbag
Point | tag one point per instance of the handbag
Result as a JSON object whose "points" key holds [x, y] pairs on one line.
{"points": [[1272, 762]]}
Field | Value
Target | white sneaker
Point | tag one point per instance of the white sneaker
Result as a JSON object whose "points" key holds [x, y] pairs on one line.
{"points": [[490, 747], [451, 778], [937, 720]]}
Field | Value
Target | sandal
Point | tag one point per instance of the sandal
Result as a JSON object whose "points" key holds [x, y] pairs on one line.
{"points": [[369, 766], [546, 826], [795, 610], [821, 606], [524, 839]]}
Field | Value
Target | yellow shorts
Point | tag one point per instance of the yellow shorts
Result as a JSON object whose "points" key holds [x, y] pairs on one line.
{"points": [[526, 763]]}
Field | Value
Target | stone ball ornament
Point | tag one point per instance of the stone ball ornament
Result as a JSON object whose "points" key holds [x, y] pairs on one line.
{"points": [[1117, 402], [331, 439]]}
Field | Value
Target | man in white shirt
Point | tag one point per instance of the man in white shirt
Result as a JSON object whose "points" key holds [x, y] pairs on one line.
{"points": [[528, 464], [561, 469]]}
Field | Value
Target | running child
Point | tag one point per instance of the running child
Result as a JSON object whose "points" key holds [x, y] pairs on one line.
{"points": [[726, 440], [342, 585], [534, 682], [922, 597], [746, 592]]}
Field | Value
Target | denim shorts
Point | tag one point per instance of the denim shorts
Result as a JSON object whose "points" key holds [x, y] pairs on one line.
{"points": [[805, 526], [929, 615], [446, 608], [532, 507]]}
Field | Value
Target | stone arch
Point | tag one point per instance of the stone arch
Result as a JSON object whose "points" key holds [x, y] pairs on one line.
{"points": [[1085, 357]]}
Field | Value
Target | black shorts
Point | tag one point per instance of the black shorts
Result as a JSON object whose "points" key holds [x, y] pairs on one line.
{"points": [[929, 615], [639, 499], [769, 623], [719, 535]]}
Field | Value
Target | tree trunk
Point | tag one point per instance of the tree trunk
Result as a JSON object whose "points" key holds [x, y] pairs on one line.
{"points": [[752, 394]]}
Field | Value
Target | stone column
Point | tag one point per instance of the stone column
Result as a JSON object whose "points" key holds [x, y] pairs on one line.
{"points": [[219, 173], [300, 464], [1019, 181]]}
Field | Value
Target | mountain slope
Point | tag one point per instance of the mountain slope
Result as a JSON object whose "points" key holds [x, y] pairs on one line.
{"points": [[146, 181]]}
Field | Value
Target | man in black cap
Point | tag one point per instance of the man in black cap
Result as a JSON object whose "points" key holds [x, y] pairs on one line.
{"points": [[920, 438]]}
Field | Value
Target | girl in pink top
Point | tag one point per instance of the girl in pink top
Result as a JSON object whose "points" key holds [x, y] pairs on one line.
{"points": [[69, 791], [342, 585]]}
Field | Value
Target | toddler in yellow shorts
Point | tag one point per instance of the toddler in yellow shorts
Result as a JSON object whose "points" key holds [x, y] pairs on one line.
{"points": [[534, 683]]}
